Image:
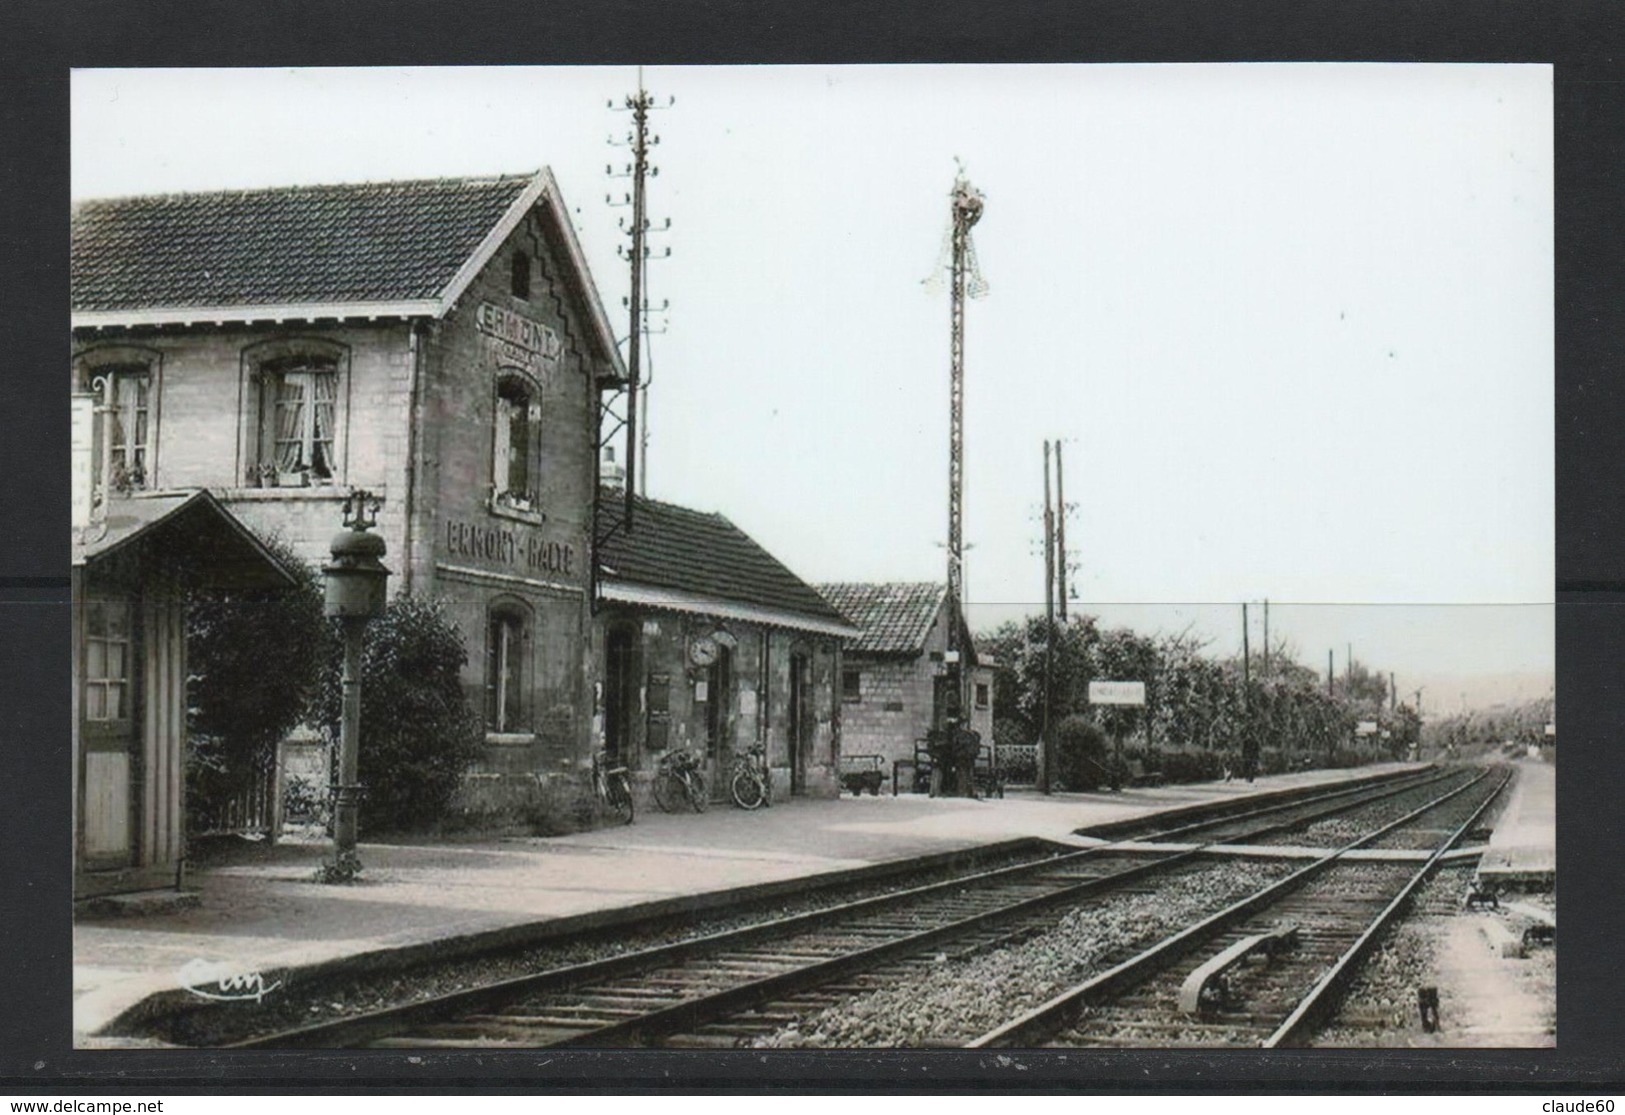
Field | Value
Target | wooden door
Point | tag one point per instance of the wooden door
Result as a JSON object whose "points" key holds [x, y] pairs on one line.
{"points": [[719, 723], [620, 692], [800, 710], [109, 736]]}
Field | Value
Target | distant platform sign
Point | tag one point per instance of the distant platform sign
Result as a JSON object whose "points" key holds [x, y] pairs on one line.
{"points": [[1117, 692]]}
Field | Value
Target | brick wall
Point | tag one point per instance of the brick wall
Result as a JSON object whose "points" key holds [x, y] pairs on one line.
{"points": [[476, 551], [895, 703]]}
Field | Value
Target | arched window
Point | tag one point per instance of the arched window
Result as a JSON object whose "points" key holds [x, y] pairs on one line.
{"points": [[123, 381], [301, 404], [507, 668], [514, 443], [298, 421]]}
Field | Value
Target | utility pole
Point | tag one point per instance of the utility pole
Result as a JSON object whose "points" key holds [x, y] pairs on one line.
{"points": [[1060, 532], [1049, 628], [964, 210], [1246, 656], [1331, 673], [1266, 636], [637, 254], [1393, 694]]}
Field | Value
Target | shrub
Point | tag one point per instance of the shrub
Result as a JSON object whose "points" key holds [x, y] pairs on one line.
{"points": [[1081, 754], [1190, 764], [418, 733], [255, 658]]}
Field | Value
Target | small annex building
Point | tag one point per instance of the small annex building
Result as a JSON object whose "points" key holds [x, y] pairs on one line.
{"points": [[895, 681], [133, 564], [712, 644]]}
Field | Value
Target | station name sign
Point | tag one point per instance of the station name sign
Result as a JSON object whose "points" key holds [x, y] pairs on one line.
{"points": [[1117, 692], [519, 550], [517, 339]]}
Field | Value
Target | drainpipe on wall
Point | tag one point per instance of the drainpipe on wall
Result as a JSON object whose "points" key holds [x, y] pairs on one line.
{"points": [[413, 402]]}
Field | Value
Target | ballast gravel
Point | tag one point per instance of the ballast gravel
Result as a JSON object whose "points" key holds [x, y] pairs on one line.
{"points": [[956, 1002]]}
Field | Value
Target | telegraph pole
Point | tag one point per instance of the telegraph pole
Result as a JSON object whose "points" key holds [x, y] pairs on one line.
{"points": [[1049, 627], [964, 210], [637, 254], [1246, 657], [1060, 532], [1266, 636], [1331, 674]]}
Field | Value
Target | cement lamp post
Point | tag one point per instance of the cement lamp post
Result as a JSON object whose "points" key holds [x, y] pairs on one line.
{"points": [[356, 583]]}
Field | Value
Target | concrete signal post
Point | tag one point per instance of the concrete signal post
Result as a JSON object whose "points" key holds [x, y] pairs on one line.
{"points": [[356, 584]]}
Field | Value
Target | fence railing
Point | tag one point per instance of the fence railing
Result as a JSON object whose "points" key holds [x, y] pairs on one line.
{"points": [[251, 809], [1017, 763]]}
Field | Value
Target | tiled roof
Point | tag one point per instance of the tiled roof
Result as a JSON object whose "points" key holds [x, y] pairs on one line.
{"points": [[372, 242], [895, 618], [672, 547]]}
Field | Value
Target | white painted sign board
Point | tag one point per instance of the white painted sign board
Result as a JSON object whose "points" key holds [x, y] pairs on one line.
{"points": [[1117, 692], [1366, 728]]}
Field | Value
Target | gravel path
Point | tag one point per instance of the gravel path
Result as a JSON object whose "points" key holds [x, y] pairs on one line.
{"points": [[956, 1002]]}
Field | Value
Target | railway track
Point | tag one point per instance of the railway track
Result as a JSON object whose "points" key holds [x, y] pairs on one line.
{"points": [[721, 988], [1205, 986]]}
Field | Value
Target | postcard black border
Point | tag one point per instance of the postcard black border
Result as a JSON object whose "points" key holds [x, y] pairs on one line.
{"points": [[42, 40]]}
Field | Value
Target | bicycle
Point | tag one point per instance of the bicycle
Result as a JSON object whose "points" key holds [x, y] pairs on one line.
{"points": [[612, 785], [679, 781], [752, 783]]}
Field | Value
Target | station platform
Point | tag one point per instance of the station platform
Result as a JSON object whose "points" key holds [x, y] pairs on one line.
{"points": [[1522, 851], [259, 910]]}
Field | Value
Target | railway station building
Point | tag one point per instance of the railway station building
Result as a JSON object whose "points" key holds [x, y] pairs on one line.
{"points": [[441, 344], [438, 343], [895, 680]]}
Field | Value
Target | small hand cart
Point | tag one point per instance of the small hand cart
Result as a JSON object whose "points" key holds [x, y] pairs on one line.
{"points": [[860, 773]]}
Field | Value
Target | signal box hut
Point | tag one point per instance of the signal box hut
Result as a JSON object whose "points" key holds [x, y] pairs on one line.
{"points": [[895, 683]]}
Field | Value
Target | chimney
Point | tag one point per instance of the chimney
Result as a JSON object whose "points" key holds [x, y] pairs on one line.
{"points": [[610, 474]]}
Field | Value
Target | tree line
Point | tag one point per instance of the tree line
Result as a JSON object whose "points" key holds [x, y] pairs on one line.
{"points": [[1204, 714]]}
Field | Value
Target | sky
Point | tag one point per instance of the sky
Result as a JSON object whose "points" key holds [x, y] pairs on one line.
{"points": [[1292, 324]]}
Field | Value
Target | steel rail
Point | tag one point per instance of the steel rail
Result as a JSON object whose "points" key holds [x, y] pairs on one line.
{"points": [[370, 1024], [1321, 997], [1057, 1010]]}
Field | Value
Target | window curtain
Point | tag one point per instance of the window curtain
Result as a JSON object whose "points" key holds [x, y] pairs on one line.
{"points": [[130, 424], [324, 396], [518, 446], [288, 449], [504, 658], [500, 466]]}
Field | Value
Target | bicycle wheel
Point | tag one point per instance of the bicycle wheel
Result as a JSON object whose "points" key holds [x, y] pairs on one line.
{"points": [[694, 786], [668, 790], [620, 797], [747, 790]]}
